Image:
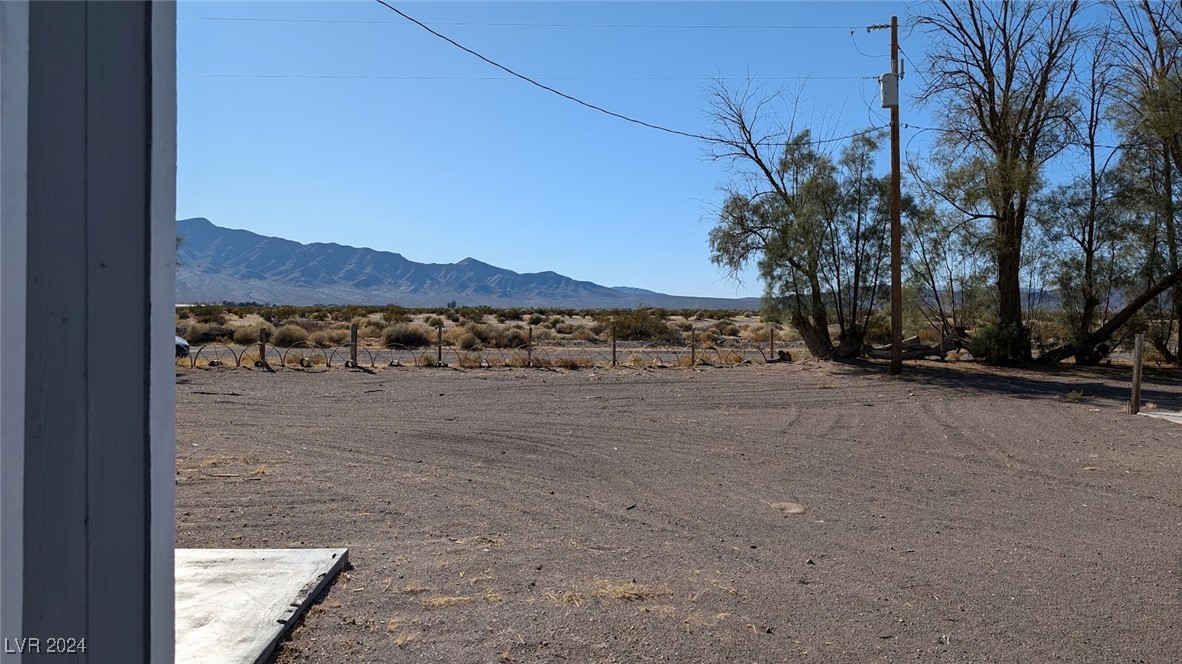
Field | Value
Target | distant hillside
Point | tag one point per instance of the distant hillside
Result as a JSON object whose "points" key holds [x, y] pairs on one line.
{"points": [[221, 264]]}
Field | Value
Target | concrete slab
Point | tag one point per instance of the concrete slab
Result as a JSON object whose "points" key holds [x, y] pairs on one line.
{"points": [[1163, 415], [234, 605]]}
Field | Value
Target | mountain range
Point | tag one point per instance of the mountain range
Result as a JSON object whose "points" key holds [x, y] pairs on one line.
{"points": [[218, 264]]}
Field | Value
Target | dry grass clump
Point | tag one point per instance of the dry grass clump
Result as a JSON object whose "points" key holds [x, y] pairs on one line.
{"points": [[289, 335], [573, 363], [757, 333], [442, 601], [631, 591]]}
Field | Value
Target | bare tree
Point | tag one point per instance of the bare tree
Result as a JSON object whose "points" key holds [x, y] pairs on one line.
{"points": [[998, 76]]}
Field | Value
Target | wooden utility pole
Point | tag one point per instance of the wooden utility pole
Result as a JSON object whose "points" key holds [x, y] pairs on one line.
{"points": [[890, 98], [896, 225]]}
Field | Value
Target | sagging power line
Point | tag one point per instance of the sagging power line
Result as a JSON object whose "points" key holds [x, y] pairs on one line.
{"points": [[594, 107]]}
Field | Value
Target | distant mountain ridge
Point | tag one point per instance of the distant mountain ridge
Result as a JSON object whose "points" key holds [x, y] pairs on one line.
{"points": [[221, 264]]}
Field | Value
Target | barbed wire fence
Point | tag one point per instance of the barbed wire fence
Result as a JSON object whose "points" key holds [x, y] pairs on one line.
{"points": [[566, 354]]}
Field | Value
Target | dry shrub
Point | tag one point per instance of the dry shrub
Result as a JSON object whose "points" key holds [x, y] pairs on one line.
{"points": [[204, 333], [410, 335], [249, 334], [642, 325], [329, 338], [494, 336], [758, 333], [289, 335], [584, 333], [369, 328], [307, 324], [727, 328], [468, 341]]}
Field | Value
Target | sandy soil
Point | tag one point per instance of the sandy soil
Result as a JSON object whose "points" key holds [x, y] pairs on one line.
{"points": [[752, 514]]}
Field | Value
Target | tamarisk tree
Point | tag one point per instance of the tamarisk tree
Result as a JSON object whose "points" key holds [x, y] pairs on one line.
{"points": [[814, 224]]}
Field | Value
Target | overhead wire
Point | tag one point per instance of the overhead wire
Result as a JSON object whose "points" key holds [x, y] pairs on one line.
{"points": [[859, 50], [597, 26], [594, 107], [428, 77]]}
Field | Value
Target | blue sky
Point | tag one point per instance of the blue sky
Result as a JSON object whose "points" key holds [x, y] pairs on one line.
{"points": [[341, 122]]}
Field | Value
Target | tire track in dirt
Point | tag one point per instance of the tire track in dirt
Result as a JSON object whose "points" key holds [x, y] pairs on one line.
{"points": [[661, 538]]}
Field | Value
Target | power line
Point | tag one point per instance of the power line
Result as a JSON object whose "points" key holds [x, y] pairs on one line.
{"points": [[428, 77], [576, 100], [603, 26], [1123, 146]]}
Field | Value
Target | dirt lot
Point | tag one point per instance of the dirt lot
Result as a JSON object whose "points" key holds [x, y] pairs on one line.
{"points": [[752, 514]]}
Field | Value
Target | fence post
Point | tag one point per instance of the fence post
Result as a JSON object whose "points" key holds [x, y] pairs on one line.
{"points": [[771, 335], [353, 344], [264, 337], [613, 324], [1138, 356], [693, 347], [439, 347], [529, 347]]}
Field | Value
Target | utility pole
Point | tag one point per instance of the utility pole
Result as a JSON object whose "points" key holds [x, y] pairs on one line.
{"points": [[890, 98]]}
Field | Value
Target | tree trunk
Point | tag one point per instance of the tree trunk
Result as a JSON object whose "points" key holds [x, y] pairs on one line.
{"points": [[1088, 352], [816, 339], [851, 344], [1172, 248], [1009, 293]]}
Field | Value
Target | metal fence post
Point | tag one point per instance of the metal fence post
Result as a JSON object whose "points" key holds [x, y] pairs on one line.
{"points": [[771, 335], [693, 346], [529, 347], [1138, 356], [613, 324], [439, 348]]}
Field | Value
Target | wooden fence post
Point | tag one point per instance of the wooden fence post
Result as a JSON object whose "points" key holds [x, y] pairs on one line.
{"points": [[264, 337], [439, 347], [613, 324], [1138, 357], [771, 335], [529, 347], [693, 347], [353, 345]]}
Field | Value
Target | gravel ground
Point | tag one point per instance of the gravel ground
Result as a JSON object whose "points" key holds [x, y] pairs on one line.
{"points": [[754, 514]]}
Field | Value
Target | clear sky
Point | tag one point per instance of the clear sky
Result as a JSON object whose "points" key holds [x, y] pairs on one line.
{"points": [[342, 122]]}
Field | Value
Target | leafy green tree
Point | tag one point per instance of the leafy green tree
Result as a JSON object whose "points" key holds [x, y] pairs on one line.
{"points": [[815, 227]]}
